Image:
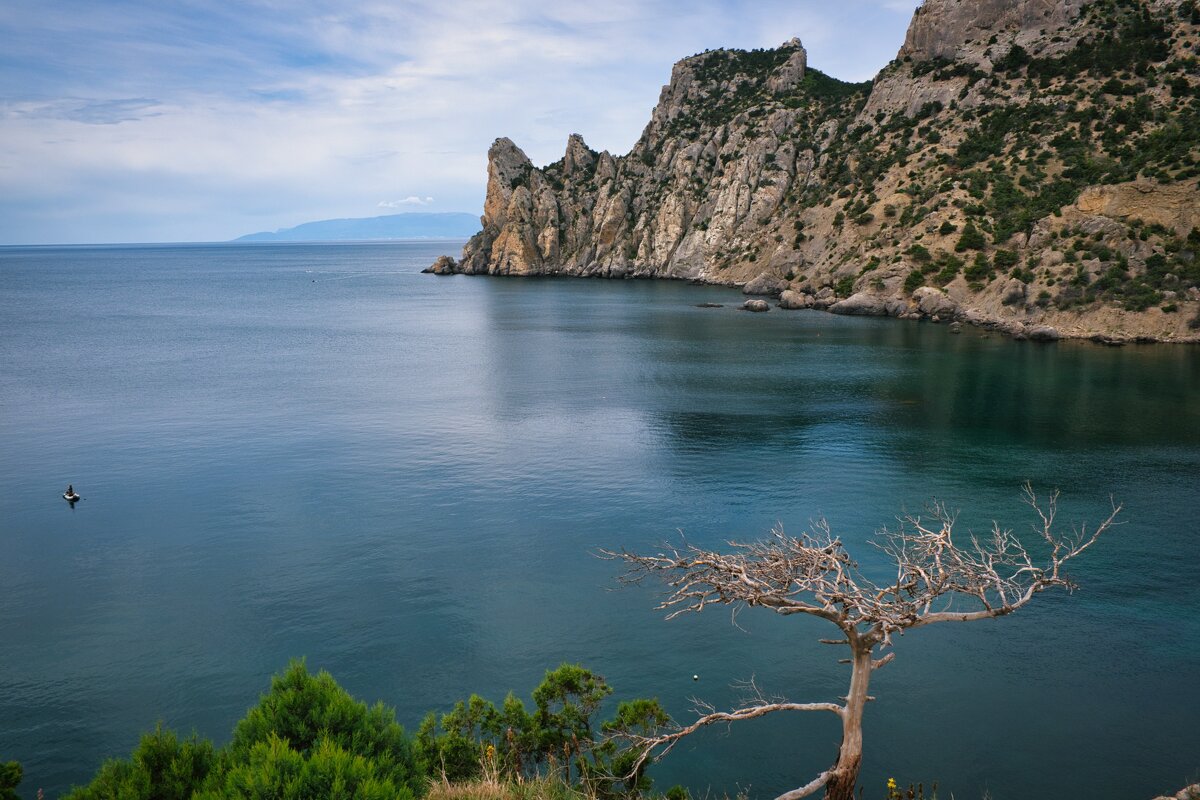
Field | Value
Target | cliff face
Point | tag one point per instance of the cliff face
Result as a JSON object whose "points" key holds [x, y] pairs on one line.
{"points": [[1022, 163]]}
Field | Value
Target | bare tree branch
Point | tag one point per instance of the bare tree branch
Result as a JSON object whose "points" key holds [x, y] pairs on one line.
{"points": [[667, 741], [811, 788], [937, 579]]}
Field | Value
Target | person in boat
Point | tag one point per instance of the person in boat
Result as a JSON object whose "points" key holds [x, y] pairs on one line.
{"points": [[70, 491]]}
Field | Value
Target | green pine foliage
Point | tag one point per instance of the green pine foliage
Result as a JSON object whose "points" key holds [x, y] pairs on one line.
{"points": [[161, 767], [307, 738], [971, 239], [914, 281], [561, 732], [313, 714], [10, 777]]}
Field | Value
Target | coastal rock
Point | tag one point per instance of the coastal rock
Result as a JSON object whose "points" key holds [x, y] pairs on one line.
{"points": [[1014, 293], [445, 265], [862, 304], [793, 300], [934, 302], [1043, 333], [1187, 793], [765, 284], [757, 306], [955, 327]]}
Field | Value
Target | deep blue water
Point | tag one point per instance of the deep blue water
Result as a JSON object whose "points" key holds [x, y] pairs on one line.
{"points": [[313, 450]]}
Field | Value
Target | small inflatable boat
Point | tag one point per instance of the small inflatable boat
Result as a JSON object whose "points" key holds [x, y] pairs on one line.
{"points": [[70, 498]]}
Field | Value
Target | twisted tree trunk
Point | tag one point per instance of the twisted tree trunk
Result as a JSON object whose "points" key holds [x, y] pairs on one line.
{"points": [[845, 772]]}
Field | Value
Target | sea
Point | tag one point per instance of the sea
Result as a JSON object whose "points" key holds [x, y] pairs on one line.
{"points": [[314, 451]]}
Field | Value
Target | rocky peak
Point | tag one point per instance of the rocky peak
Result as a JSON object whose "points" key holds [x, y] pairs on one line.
{"points": [[507, 167], [791, 73], [962, 29], [579, 158], [705, 84]]}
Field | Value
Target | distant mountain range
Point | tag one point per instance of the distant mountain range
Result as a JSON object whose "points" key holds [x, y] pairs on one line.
{"points": [[452, 225]]}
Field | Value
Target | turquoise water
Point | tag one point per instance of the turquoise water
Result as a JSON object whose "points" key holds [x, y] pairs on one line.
{"points": [[313, 450]]}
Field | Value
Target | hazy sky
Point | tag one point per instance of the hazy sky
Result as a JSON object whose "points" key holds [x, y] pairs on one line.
{"points": [[199, 120]]}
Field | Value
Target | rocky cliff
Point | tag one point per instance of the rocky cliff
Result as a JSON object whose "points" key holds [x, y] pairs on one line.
{"points": [[1024, 164]]}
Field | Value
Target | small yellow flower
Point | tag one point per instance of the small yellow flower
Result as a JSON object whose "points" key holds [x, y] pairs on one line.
{"points": [[891, 783]]}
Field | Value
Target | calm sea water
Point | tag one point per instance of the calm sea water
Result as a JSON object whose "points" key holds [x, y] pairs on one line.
{"points": [[312, 450]]}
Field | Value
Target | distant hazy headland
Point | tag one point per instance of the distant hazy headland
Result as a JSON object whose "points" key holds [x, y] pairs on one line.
{"points": [[452, 225]]}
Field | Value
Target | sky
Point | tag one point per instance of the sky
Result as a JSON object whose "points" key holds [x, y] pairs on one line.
{"points": [[202, 120]]}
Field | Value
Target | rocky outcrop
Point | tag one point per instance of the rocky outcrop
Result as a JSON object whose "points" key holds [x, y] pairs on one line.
{"points": [[793, 300], [767, 284], [1021, 164], [445, 265], [862, 304], [961, 30], [1172, 206]]}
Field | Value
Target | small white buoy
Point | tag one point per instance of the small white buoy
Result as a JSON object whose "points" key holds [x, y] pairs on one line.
{"points": [[695, 677]]}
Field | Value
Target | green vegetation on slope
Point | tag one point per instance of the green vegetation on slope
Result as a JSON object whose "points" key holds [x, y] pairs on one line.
{"points": [[308, 738]]}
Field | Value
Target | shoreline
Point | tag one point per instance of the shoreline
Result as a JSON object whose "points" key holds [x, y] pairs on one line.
{"points": [[933, 305]]}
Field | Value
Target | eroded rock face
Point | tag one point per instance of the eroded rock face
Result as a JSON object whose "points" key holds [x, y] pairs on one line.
{"points": [[677, 206], [953, 29], [1175, 206]]}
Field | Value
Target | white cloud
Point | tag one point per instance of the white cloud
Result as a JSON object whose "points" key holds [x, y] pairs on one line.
{"points": [[315, 111], [411, 200]]}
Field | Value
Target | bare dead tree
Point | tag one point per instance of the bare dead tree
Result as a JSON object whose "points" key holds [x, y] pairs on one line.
{"points": [[936, 580]]}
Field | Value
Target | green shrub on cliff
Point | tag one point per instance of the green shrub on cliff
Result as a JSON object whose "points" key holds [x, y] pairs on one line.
{"points": [[971, 239], [306, 738], [476, 739], [10, 777]]}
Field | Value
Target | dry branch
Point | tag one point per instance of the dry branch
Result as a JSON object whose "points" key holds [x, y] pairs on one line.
{"points": [[937, 579]]}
